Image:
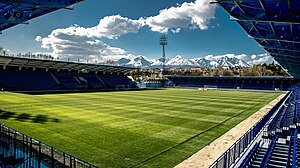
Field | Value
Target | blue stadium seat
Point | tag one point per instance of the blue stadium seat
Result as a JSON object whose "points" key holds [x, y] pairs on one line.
{"points": [[11, 79], [115, 81]]}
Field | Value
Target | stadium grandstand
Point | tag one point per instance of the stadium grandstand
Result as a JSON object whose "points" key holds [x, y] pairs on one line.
{"points": [[17, 149], [274, 140], [252, 83], [19, 74]]}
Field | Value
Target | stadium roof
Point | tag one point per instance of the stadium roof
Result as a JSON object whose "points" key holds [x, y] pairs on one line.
{"points": [[274, 24], [60, 65], [14, 12]]}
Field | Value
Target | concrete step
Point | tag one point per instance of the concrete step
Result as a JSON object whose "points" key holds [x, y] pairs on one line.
{"points": [[270, 165], [278, 158], [277, 162]]}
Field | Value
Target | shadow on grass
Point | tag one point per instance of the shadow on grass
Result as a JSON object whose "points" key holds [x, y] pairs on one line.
{"points": [[25, 117]]}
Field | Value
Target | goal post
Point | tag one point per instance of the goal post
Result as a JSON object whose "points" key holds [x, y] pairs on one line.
{"points": [[210, 87]]}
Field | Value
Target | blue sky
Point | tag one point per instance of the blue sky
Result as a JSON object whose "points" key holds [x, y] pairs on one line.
{"points": [[215, 36]]}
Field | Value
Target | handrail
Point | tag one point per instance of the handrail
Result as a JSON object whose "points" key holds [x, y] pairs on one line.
{"points": [[287, 110], [285, 99], [294, 163], [268, 153], [12, 133], [289, 150], [296, 109], [249, 136], [251, 153]]}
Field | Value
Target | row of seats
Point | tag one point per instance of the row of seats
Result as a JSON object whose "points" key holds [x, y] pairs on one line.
{"points": [[233, 82], [287, 115], [26, 80], [279, 146], [272, 142], [281, 151]]}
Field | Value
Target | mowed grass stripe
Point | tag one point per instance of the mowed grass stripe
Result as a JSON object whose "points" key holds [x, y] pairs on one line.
{"points": [[148, 105], [141, 108], [165, 98], [125, 129], [204, 94], [162, 96], [182, 150]]}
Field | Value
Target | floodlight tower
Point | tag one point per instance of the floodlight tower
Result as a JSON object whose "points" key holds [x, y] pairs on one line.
{"points": [[163, 41]]}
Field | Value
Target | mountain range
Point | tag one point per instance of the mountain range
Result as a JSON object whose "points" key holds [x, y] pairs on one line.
{"points": [[179, 61]]}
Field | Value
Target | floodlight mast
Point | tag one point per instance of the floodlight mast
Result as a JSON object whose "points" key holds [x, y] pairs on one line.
{"points": [[163, 41]]}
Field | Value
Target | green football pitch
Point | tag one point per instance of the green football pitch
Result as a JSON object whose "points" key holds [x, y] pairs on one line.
{"points": [[154, 128]]}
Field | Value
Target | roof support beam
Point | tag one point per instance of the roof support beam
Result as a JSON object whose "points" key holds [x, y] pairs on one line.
{"points": [[42, 3], [6, 63], [254, 26], [283, 55], [275, 38], [262, 5], [281, 49], [272, 28], [291, 27], [239, 6], [58, 65], [289, 4], [263, 19]]}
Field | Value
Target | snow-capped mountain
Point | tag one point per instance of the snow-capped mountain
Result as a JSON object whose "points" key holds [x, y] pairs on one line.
{"points": [[122, 61], [228, 62], [139, 61], [202, 62], [157, 62], [180, 61]]}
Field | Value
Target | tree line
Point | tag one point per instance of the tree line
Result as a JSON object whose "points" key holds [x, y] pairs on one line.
{"points": [[255, 70]]}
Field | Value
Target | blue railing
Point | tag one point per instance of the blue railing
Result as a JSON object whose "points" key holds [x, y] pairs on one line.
{"points": [[229, 157], [290, 148], [296, 109], [294, 162], [267, 155], [287, 109], [36, 153], [276, 117], [249, 156]]}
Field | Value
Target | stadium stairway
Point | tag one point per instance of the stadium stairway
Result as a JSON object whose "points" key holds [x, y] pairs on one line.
{"points": [[68, 80], [277, 154], [255, 157], [278, 143], [287, 117], [298, 151], [280, 155]]}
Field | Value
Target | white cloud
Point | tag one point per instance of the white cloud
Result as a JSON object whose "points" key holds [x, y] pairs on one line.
{"points": [[84, 43], [115, 26], [261, 59], [253, 56], [187, 15], [67, 43], [117, 57]]}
